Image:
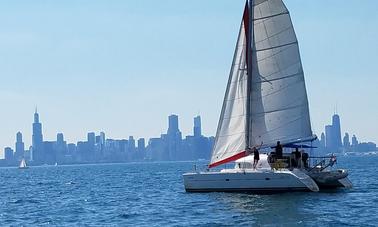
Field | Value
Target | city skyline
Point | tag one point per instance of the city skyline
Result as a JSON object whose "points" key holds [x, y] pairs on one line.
{"points": [[97, 148], [166, 147], [81, 64]]}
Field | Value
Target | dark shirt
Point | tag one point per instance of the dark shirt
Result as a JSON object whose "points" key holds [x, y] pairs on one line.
{"points": [[256, 155], [297, 154], [279, 152]]}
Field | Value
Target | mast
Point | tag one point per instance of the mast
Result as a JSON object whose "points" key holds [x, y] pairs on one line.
{"points": [[250, 41]]}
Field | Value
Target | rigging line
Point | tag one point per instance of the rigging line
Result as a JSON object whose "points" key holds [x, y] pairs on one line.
{"points": [[283, 125], [277, 91], [236, 98], [234, 134], [284, 77], [275, 47], [279, 110], [274, 35], [230, 116], [289, 66], [260, 3], [274, 54], [274, 15], [264, 80]]}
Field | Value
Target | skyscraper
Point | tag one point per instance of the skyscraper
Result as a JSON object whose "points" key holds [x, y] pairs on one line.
{"points": [[90, 146], [91, 138], [323, 140], [329, 137], [173, 126], [174, 138], [131, 144], [336, 128], [8, 154], [346, 141], [37, 140], [60, 139], [141, 145], [197, 129], [61, 147], [20, 147], [102, 138]]}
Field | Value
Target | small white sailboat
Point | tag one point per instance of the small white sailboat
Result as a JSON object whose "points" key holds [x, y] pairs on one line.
{"points": [[23, 164], [265, 102]]}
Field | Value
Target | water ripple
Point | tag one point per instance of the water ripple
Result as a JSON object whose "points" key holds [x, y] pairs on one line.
{"points": [[152, 194]]}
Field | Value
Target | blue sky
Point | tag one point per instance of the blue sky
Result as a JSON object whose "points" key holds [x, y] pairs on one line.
{"points": [[124, 66]]}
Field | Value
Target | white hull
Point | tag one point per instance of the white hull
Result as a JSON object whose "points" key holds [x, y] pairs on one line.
{"points": [[249, 181]]}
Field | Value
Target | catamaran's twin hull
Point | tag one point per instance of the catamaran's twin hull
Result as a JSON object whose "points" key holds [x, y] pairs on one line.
{"points": [[332, 179], [256, 182]]}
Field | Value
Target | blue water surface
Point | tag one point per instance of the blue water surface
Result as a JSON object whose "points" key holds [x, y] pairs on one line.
{"points": [[152, 194]]}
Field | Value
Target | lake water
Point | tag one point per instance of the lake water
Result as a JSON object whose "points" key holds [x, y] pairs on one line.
{"points": [[152, 194]]}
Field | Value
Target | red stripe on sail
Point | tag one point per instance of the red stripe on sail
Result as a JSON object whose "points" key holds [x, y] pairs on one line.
{"points": [[230, 159]]}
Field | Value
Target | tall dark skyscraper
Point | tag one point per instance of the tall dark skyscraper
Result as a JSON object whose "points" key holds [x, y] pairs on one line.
{"points": [[336, 128], [37, 140], [329, 143], [61, 146], [323, 140], [173, 126], [102, 138], [59, 139], [131, 145], [333, 134], [174, 138], [91, 138], [141, 145], [8, 153], [20, 147], [197, 129], [346, 141]]}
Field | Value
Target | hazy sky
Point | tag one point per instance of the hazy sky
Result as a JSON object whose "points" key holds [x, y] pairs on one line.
{"points": [[124, 66]]}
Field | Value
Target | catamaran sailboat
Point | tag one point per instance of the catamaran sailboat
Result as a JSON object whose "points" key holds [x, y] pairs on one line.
{"points": [[265, 102]]}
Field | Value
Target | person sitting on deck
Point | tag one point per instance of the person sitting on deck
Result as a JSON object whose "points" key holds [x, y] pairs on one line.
{"points": [[279, 153], [256, 157]]}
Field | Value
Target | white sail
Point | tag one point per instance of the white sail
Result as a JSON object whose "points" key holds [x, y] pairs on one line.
{"points": [[278, 105], [231, 133], [23, 164]]}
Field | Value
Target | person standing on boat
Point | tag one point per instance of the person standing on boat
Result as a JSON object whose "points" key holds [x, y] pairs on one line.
{"points": [[279, 153], [297, 155], [256, 157]]}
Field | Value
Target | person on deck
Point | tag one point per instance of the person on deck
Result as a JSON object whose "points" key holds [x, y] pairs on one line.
{"points": [[256, 157], [297, 155], [279, 149]]}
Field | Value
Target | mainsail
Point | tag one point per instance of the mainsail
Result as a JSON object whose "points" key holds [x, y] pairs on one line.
{"points": [[23, 164], [266, 99]]}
